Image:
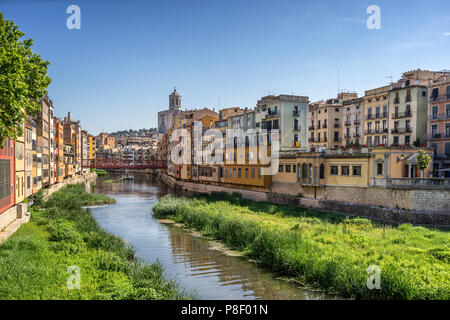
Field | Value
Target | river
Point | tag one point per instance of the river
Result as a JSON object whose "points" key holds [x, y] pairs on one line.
{"points": [[189, 260]]}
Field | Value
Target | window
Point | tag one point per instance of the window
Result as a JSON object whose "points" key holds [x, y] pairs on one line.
{"points": [[5, 182], [356, 170], [345, 170], [288, 168], [395, 141], [253, 173], [336, 136], [246, 173], [447, 111], [294, 168], [259, 173], [334, 170], [239, 173], [434, 111], [407, 140], [322, 171], [447, 149], [280, 168], [379, 168]]}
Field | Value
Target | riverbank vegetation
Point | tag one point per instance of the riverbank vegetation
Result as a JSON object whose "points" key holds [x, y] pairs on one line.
{"points": [[101, 172], [331, 251], [34, 261]]}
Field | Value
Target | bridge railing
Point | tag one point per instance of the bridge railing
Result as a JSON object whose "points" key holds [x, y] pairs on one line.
{"points": [[123, 164]]}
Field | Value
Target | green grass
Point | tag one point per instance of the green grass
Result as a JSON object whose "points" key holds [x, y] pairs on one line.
{"points": [[101, 173], [331, 251], [34, 261]]}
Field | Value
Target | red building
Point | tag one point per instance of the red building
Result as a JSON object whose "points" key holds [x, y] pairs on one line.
{"points": [[7, 176]]}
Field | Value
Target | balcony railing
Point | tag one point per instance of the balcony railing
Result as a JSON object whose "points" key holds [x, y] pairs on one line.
{"points": [[438, 136], [400, 115], [337, 125], [297, 128], [439, 116], [408, 99], [356, 122], [347, 136], [296, 113], [380, 115], [369, 117], [401, 130], [325, 126], [311, 139], [397, 100], [348, 123], [356, 135], [311, 128], [440, 97]]}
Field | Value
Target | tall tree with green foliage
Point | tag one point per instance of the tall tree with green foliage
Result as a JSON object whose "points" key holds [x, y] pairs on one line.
{"points": [[23, 80], [423, 160]]}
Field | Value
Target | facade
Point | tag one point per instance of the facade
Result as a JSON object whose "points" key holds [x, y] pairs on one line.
{"points": [[43, 140], [19, 168], [7, 176], [165, 118], [325, 125], [352, 123], [59, 152], [37, 179], [288, 114], [439, 125], [104, 141], [92, 147], [53, 148], [376, 116], [84, 149], [28, 157]]}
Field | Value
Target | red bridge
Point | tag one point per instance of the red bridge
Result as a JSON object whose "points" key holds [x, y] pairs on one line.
{"points": [[124, 164]]}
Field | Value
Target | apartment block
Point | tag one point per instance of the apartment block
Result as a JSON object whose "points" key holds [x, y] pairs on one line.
{"points": [[28, 156], [7, 176], [352, 121], [439, 125], [43, 140], [59, 152], [325, 125], [288, 114], [19, 168], [376, 118]]}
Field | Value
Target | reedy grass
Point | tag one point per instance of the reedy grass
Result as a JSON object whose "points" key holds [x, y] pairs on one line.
{"points": [[34, 261], [331, 251]]}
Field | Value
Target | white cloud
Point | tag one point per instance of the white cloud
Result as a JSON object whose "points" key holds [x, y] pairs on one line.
{"points": [[447, 34]]}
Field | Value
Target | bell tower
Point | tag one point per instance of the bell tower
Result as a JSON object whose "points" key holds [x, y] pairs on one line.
{"points": [[174, 100]]}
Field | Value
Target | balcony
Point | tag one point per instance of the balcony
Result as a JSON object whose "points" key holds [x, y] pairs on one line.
{"points": [[348, 123], [272, 113], [296, 113], [369, 132], [357, 122], [397, 100], [442, 97], [440, 116], [369, 117], [380, 115], [311, 127], [400, 115], [438, 136], [408, 99], [325, 126], [311, 139], [337, 125], [347, 136], [401, 130], [356, 135]]}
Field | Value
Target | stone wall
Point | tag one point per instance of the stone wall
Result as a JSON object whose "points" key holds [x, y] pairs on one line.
{"points": [[382, 204]]}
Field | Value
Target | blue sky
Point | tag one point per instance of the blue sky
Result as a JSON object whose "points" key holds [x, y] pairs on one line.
{"points": [[117, 71]]}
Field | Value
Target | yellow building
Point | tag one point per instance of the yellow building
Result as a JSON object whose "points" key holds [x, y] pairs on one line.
{"points": [[92, 147], [20, 168]]}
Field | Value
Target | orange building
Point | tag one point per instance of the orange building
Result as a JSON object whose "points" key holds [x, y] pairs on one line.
{"points": [[439, 125]]}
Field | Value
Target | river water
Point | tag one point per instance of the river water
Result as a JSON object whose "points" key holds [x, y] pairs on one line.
{"points": [[189, 260]]}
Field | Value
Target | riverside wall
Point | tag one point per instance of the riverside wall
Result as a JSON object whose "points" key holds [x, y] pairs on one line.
{"points": [[394, 206], [14, 217]]}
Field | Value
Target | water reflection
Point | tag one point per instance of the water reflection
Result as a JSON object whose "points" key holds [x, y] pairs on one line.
{"points": [[188, 259]]}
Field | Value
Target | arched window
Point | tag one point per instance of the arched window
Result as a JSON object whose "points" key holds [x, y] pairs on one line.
{"points": [[322, 171]]}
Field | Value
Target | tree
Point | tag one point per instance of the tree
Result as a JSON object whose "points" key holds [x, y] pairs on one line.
{"points": [[423, 160], [23, 80]]}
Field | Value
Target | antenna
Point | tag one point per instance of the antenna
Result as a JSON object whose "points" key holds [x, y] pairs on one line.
{"points": [[389, 77], [338, 82]]}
